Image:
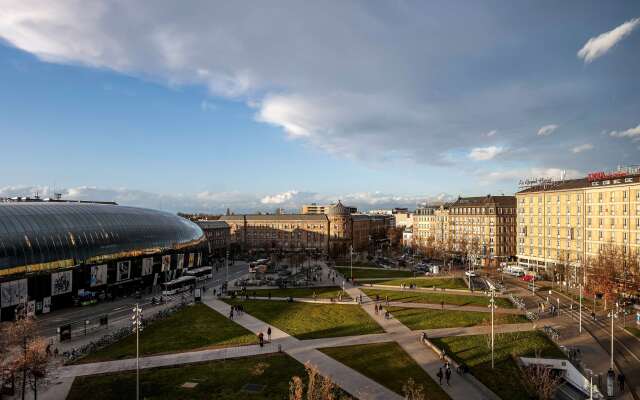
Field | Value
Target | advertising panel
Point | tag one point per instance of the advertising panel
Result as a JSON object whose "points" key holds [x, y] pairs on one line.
{"points": [[191, 257], [166, 262], [46, 305], [12, 293], [61, 282], [123, 271], [98, 275], [147, 266], [180, 261]]}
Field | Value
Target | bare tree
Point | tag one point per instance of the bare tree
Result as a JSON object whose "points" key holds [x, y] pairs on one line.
{"points": [[413, 391], [296, 388], [319, 387], [542, 381]]}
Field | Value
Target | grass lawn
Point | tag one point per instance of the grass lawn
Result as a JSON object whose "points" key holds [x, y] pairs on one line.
{"points": [[387, 364], [194, 327], [223, 379], [420, 318], [363, 273], [447, 283], [325, 292], [505, 380], [311, 321], [436, 298]]}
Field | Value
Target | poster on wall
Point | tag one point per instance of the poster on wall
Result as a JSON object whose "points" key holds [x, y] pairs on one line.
{"points": [[98, 275], [147, 266], [199, 259], [31, 308], [12, 293], [191, 256], [46, 305], [123, 271], [155, 279], [166, 262], [180, 261], [61, 282]]}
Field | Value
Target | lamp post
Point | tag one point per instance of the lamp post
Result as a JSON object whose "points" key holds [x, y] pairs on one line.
{"points": [[580, 310], [351, 260], [493, 307], [136, 322]]}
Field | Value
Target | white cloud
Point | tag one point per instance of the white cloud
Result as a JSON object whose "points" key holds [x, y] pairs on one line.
{"points": [[491, 133], [547, 130], [218, 202], [582, 147], [515, 175], [630, 133], [485, 153], [601, 44]]}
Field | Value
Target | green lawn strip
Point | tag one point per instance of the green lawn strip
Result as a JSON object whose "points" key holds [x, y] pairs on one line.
{"points": [[506, 379], [387, 364], [436, 298], [312, 320], [363, 273], [447, 283], [324, 292], [192, 328], [222, 379], [424, 318]]}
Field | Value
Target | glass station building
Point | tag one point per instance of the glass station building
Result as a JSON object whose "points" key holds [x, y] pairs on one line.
{"points": [[55, 254]]}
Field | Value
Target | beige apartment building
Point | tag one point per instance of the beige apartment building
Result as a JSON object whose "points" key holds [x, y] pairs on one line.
{"points": [[561, 223], [488, 222]]}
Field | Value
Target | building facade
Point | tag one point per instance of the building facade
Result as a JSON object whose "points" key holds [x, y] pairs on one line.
{"points": [[218, 234], [564, 222]]}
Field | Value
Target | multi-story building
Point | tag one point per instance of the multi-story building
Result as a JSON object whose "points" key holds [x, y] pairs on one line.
{"points": [[334, 231], [403, 219], [563, 222], [217, 234], [489, 222], [314, 208], [486, 225]]}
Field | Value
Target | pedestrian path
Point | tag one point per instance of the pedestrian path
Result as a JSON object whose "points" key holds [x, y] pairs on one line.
{"points": [[448, 307], [348, 379], [461, 388], [426, 289], [477, 330]]}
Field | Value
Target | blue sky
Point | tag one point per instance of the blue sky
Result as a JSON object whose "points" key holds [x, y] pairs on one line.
{"points": [[207, 105]]}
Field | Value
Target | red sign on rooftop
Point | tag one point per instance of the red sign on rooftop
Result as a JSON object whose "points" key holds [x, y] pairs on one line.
{"points": [[601, 175]]}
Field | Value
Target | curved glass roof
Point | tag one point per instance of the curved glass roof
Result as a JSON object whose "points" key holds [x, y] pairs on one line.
{"points": [[34, 233]]}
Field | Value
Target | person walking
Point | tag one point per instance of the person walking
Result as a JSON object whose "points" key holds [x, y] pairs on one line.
{"points": [[439, 375], [261, 339], [375, 308], [231, 313], [621, 380], [442, 304], [269, 334], [447, 374]]}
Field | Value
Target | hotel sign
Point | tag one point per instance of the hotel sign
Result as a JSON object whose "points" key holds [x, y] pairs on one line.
{"points": [[531, 182], [601, 175]]}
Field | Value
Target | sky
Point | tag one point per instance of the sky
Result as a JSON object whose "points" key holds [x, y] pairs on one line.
{"points": [[208, 105]]}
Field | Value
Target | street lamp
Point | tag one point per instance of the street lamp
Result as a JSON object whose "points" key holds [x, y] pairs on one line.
{"points": [[493, 306], [580, 309], [136, 322], [351, 260]]}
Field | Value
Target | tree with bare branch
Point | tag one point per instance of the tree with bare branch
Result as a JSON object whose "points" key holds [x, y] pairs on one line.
{"points": [[541, 381], [319, 387], [413, 391]]}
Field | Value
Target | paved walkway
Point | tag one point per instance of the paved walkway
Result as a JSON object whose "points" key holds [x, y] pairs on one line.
{"points": [[477, 330], [426, 289], [483, 309], [460, 389]]}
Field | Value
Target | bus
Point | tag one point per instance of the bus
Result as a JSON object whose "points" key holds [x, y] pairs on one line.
{"points": [[182, 284], [201, 274]]}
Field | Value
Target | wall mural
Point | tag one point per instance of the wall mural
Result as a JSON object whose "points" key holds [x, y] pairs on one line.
{"points": [[147, 266], [61, 282], [123, 271], [12, 293], [98, 275]]}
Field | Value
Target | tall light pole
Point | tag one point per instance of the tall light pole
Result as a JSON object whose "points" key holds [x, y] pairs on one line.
{"points": [[136, 320], [493, 307], [351, 261], [580, 310], [226, 264], [613, 315]]}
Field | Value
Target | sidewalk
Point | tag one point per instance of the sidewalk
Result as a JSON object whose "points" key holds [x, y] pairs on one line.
{"points": [[455, 308]]}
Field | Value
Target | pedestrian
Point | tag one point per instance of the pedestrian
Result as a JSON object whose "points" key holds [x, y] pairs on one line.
{"points": [[269, 334], [269, 294], [387, 300], [231, 313], [621, 379], [439, 375], [375, 308], [442, 304], [360, 299], [447, 373], [261, 339]]}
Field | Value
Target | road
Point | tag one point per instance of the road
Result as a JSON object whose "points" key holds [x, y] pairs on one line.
{"points": [[120, 308], [626, 349]]}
